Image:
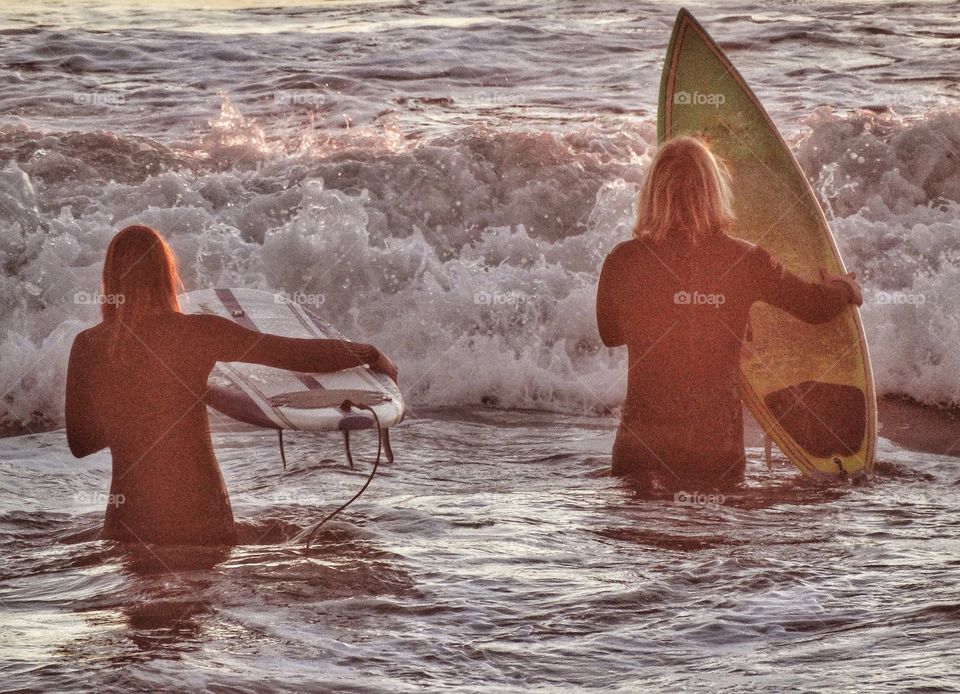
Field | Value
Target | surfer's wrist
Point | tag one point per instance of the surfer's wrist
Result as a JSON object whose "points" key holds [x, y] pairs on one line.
{"points": [[850, 295], [368, 354], [845, 284]]}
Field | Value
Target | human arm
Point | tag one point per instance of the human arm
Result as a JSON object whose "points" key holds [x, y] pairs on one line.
{"points": [[84, 431], [224, 340], [849, 279], [812, 302], [609, 302]]}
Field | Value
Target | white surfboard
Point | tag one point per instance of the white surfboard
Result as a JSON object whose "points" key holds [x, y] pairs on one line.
{"points": [[276, 399]]}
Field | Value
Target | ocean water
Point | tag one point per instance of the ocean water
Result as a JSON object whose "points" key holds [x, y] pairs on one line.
{"points": [[444, 180]]}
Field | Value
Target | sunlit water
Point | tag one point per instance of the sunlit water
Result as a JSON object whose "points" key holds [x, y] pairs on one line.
{"points": [[444, 180], [494, 554]]}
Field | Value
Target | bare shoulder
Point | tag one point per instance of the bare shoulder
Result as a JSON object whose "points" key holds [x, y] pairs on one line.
{"points": [[85, 338], [202, 322], [625, 250]]}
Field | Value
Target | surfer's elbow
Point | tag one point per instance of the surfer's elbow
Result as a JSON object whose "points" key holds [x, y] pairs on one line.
{"points": [[83, 437], [79, 452], [80, 446]]}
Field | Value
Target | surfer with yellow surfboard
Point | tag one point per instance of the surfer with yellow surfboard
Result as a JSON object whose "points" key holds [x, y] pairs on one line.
{"points": [[732, 291], [678, 296]]}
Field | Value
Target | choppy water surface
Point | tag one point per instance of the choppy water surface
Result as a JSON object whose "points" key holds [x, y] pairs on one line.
{"points": [[444, 180], [493, 555]]}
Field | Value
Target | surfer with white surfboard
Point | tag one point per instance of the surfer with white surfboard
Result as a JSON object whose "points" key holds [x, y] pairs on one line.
{"points": [[136, 383]]}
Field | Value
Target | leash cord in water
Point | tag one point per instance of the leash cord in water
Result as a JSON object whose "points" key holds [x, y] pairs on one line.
{"points": [[346, 407]]}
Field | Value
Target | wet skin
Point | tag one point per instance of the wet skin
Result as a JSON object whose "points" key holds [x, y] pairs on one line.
{"points": [[139, 391]]}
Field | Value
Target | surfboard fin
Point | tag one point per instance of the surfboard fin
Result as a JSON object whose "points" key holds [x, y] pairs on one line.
{"points": [[346, 446], [382, 434]]}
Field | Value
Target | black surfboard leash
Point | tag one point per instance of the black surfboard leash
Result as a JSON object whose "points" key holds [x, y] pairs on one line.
{"points": [[383, 443]]}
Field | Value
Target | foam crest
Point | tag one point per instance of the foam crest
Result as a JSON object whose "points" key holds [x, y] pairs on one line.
{"points": [[472, 258]]}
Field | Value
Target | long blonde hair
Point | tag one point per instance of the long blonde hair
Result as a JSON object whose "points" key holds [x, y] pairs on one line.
{"points": [[139, 278], [685, 194], [139, 275]]}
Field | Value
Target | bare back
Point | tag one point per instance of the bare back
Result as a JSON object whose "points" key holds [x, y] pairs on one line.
{"points": [[142, 396]]}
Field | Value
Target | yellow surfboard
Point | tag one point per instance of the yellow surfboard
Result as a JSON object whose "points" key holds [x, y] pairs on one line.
{"points": [[809, 386]]}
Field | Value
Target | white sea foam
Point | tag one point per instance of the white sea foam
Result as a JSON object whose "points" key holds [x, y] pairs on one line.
{"points": [[472, 257]]}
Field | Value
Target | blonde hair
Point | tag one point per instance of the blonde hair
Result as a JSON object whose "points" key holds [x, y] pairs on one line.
{"points": [[686, 193], [139, 277], [141, 271]]}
